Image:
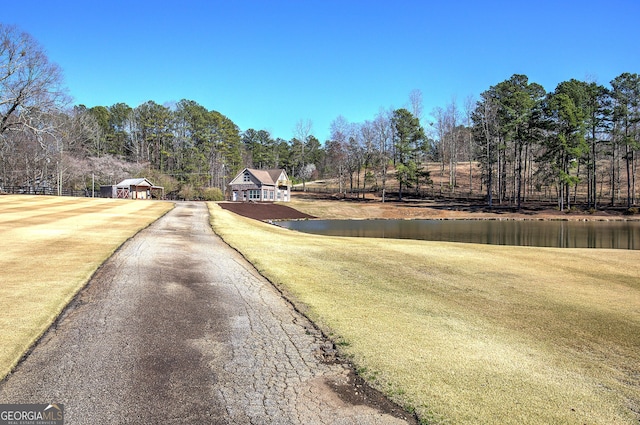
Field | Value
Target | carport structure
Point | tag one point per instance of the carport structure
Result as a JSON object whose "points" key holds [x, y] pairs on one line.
{"points": [[140, 188]]}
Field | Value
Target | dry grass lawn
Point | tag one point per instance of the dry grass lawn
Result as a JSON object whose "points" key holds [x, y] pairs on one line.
{"points": [[466, 333], [50, 248]]}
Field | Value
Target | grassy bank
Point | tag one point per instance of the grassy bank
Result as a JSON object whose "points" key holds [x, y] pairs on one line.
{"points": [[50, 247], [468, 333], [323, 207]]}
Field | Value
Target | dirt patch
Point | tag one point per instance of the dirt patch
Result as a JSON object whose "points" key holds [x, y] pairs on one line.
{"points": [[264, 210], [356, 391], [353, 389]]}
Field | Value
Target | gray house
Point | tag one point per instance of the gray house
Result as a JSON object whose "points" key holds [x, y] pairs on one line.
{"points": [[261, 185]]}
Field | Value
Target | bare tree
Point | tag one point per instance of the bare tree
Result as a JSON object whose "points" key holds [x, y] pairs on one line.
{"points": [[415, 98], [441, 131], [353, 158], [29, 83], [383, 133], [469, 106], [452, 116], [341, 132], [370, 155], [302, 133]]}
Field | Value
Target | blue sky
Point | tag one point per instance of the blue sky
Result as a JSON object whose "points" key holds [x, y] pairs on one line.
{"points": [[269, 64]]}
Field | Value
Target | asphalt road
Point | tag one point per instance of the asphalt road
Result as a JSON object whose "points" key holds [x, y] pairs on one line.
{"points": [[177, 328]]}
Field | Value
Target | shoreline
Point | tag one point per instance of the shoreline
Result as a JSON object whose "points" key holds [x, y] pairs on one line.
{"points": [[323, 207]]}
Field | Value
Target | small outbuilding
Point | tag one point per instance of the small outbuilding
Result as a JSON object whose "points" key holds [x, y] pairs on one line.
{"points": [[140, 188], [261, 185]]}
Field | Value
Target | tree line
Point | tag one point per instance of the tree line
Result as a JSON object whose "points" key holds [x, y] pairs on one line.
{"points": [[581, 133], [579, 142], [45, 142], [576, 143]]}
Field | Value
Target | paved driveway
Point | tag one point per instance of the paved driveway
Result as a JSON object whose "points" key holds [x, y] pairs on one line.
{"points": [[177, 328]]}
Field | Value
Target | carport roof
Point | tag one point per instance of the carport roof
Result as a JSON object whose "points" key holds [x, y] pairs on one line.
{"points": [[135, 182]]}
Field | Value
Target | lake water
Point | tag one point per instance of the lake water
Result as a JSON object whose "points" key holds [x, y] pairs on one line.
{"points": [[558, 234]]}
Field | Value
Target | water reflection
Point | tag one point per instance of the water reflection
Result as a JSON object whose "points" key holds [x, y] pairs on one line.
{"points": [[558, 234]]}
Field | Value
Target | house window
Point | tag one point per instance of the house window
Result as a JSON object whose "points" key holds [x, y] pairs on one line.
{"points": [[254, 194], [246, 178], [271, 195]]}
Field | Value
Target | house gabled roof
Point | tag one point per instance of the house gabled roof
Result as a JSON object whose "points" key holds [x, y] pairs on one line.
{"points": [[268, 177]]}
